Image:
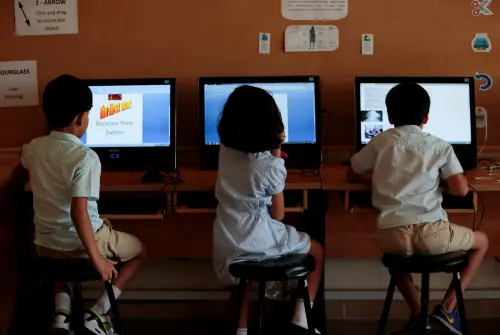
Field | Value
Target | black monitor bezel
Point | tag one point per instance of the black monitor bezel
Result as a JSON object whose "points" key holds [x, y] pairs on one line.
{"points": [[154, 158], [467, 153], [311, 150]]}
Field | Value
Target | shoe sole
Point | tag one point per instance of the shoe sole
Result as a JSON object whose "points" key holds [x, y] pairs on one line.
{"points": [[446, 324]]}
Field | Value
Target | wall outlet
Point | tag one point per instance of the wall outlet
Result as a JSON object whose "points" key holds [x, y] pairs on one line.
{"points": [[481, 117]]}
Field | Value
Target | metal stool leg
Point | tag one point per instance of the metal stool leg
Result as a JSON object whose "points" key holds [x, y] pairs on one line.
{"points": [[240, 295], [78, 309], [424, 303], [387, 308], [117, 320], [302, 289], [260, 305], [460, 303]]}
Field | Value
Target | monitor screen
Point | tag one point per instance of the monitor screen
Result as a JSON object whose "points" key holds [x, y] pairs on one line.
{"points": [[296, 101], [449, 116], [129, 116]]}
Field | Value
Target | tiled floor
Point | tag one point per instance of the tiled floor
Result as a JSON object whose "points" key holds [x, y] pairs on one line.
{"points": [[354, 327]]}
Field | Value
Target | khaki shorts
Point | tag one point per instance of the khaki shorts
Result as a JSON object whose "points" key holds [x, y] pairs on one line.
{"points": [[433, 238], [110, 243]]}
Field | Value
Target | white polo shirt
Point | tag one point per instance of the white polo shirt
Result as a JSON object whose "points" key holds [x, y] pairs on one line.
{"points": [[407, 166], [61, 167]]}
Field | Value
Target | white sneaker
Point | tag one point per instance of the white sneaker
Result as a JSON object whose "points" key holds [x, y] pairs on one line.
{"points": [[97, 324], [61, 322]]}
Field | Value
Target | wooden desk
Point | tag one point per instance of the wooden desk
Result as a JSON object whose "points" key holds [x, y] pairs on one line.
{"points": [[352, 235]]}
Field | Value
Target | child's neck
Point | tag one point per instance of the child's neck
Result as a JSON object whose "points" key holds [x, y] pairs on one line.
{"points": [[68, 130]]}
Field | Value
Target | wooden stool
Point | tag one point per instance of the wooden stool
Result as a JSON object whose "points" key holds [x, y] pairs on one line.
{"points": [[296, 266], [452, 262], [76, 271]]}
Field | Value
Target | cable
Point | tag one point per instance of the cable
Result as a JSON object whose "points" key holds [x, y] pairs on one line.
{"points": [[483, 209]]}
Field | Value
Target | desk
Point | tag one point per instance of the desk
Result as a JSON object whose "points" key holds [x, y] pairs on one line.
{"points": [[352, 235]]}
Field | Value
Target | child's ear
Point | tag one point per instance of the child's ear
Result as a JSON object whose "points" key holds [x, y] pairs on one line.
{"points": [[391, 121], [79, 119], [426, 119]]}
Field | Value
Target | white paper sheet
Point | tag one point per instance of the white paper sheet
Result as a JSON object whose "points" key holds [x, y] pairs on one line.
{"points": [[367, 44], [18, 84], [265, 43], [46, 17], [311, 38], [314, 9]]}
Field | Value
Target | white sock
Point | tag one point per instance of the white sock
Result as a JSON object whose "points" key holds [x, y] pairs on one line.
{"points": [[103, 305], [62, 302], [299, 317], [241, 331]]}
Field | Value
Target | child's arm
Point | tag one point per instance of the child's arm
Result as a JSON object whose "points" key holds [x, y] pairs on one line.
{"points": [[81, 220], [452, 173], [362, 164], [85, 186], [278, 206]]}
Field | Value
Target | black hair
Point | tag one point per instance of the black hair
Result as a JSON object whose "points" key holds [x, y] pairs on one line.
{"points": [[64, 98], [407, 104], [250, 121]]}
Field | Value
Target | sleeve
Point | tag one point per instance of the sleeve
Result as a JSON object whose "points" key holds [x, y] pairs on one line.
{"points": [[275, 177], [451, 164], [87, 178], [23, 155], [364, 161]]}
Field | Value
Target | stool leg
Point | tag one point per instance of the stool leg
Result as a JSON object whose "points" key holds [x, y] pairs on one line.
{"points": [[424, 302], [302, 289], [460, 303], [387, 308], [117, 320], [260, 305], [78, 309], [240, 296]]}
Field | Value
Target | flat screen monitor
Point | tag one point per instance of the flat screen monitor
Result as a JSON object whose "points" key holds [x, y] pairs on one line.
{"points": [[451, 116], [132, 122], [298, 99]]}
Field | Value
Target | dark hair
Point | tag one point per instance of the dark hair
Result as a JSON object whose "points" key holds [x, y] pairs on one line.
{"points": [[250, 121], [64, 98], [408, 104]]}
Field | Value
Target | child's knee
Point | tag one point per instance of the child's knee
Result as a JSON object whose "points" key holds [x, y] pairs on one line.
{"points": [[481, 240], [317, 250]]}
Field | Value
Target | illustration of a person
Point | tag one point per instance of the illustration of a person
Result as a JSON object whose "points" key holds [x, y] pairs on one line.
{"points": [[312, 38]]}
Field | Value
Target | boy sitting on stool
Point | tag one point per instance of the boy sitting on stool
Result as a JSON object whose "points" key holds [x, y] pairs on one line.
{"points": [[408, 167], [65, 179]]}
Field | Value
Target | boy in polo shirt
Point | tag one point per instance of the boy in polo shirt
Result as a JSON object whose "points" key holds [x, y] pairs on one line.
{"points": [[408, 167], [65, 179]]}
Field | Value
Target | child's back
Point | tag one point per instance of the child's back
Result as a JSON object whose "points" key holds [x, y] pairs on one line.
{"points": [[60, 168], [407, 167]]}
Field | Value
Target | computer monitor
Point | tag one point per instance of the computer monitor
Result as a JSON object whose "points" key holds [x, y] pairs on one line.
{"points": [[132, 123], [298, 99], [451, 116]]}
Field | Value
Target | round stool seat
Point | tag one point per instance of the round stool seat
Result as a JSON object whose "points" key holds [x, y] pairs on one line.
{"points": [[63, 270], [449, 262], [276, 269]]}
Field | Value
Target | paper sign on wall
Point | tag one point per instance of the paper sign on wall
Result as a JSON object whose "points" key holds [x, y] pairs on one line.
{"points": [[481, 7], [486, 82], [265, 43], [313, 9], [46, 17], [311, 38], [481, 43], [367, 42], [18, 84]]}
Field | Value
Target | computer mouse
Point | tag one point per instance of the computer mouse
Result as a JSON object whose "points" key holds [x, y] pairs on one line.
{"points": [[153, 177]]}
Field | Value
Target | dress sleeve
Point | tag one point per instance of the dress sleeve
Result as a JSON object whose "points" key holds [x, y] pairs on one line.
{"points": [[275, 177]]}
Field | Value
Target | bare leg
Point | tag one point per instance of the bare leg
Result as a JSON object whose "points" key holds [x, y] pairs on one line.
{"points": [[404, 282], [129, 270], [314, 278], [245, 306], [479, 247]]}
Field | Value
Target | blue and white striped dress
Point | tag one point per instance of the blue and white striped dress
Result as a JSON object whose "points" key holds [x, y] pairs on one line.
{"points": [[243, 228]]}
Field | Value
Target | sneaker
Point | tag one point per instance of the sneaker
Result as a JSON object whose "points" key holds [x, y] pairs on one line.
{"points": [[450, 320], [413, 323], [61, 322], [98, 324]]}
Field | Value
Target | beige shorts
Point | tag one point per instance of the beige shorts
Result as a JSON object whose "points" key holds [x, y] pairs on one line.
{"points": [[110, 243], [433, 238]]}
